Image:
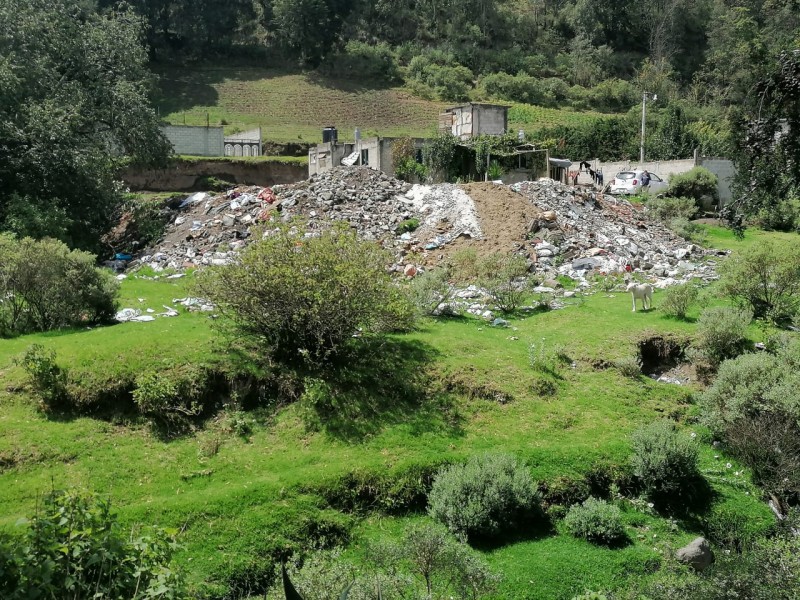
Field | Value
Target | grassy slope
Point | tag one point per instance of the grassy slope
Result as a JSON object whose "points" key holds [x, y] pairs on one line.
{"points": [[295, 107], [233, 504]]}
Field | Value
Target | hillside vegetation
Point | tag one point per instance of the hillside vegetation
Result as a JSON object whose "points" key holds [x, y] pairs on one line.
{"points": [[246, 487]]}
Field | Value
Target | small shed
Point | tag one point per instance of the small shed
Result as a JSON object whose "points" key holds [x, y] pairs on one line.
{"points": [[472, 120]]}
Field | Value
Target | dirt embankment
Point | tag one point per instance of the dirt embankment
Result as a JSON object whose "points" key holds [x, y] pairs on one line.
{"points": [[505, 220], [193, 175]]}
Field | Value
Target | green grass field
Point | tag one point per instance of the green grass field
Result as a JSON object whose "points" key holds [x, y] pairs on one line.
{"points": [[236, 499], [295, 107]]}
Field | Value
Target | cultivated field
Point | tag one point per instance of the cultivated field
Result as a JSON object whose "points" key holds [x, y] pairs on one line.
{"points": [[295, 107]]}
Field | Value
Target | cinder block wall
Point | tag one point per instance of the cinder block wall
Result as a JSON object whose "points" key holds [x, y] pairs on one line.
{"points": [[196, 141]]}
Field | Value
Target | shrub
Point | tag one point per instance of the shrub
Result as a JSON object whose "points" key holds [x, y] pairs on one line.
{"points": [[664, 460], [404, 160], [165, 397], [752, 406], [44, 285], [667, 208], [305, 296], [360, 61], [408, 225], [449, 80], [613, 95], [74, 548], [678, 299], [49, 380], [766, 279], [699, 183], [502, 276], [484, 497], [597, 521], [430, 290], [630, 366], [688, 230], [514, 88], [721, 334], [427, 563]]}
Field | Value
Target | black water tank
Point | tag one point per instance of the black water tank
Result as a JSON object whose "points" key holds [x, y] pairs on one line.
{"points": [[329, 134]]}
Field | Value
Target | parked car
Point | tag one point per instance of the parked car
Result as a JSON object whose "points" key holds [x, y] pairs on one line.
{"points": [[630, 182]]}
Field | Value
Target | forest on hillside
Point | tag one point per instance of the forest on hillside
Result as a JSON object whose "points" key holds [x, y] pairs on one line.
{"points": [[600, 52], [700, 58]]}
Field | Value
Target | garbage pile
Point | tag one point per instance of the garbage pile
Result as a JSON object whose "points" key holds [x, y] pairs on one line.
{"points": [[211, 229], [579, 232], [561, 229]]}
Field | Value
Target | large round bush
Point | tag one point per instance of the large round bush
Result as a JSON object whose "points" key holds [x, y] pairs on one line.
{"points": [[485, 496], [595, 520], [665, 461]]}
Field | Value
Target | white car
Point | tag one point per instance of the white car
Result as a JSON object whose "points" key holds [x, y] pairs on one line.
{"points": [[630, 182]]}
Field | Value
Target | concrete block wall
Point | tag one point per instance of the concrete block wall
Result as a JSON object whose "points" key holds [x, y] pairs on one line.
{"points": [[196, 141]]}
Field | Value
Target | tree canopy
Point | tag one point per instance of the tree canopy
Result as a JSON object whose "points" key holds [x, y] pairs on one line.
{"points": [[73, 103]]}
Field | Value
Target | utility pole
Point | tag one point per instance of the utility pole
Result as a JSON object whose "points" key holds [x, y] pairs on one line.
{"points": [[644, 114]]}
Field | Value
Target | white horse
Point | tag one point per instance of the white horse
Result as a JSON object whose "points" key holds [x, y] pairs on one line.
{"points": [[643, 292]]}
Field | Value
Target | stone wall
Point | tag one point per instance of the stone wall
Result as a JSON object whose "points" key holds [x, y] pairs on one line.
{"points": [[190, 175], [195, 141]]}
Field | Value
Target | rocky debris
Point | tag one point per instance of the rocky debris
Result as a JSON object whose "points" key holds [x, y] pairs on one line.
{"points": [[697, 554], [212, 229], [578, 232], [559, 229]]}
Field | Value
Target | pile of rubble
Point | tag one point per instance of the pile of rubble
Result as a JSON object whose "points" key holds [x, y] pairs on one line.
{"points": [[572, 231], [212, 229], [580, 232]]}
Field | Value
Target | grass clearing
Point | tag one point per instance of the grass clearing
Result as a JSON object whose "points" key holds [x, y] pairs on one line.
{"points": [[241, 500]]}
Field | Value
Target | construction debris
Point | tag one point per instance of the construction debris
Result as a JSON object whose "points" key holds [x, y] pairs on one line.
{"points": [[561, 230]]}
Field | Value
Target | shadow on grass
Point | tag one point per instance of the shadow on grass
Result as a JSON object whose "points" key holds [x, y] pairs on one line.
{"points": [[690, 506], [180, 88], [536, 527], [381, 382]]}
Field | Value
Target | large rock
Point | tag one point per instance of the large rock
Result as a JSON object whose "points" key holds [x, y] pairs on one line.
{"points": [[697, 554]]}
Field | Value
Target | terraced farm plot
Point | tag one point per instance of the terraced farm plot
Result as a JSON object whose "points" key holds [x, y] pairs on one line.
{"points": [[291, 107], [296, 106]]}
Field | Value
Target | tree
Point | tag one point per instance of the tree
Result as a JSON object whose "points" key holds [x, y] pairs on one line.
{"points": [[768, 143], [73, 101], [305, 294]]}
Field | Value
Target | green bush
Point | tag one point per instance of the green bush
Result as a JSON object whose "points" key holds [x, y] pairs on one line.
{"points": [[440, 73], [488, 495], [699, 183], [431, 290], [664, 461], [408, 225], [514, 88], [687, 230], [613, 95], [678, 299], [502, 276], [630, 366], [359, 60], [304, 297], [721, 334], [765, 279], [752, 407], [48, 379], [74, 548], [667, 208], [44, 285], [597, 521]]}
